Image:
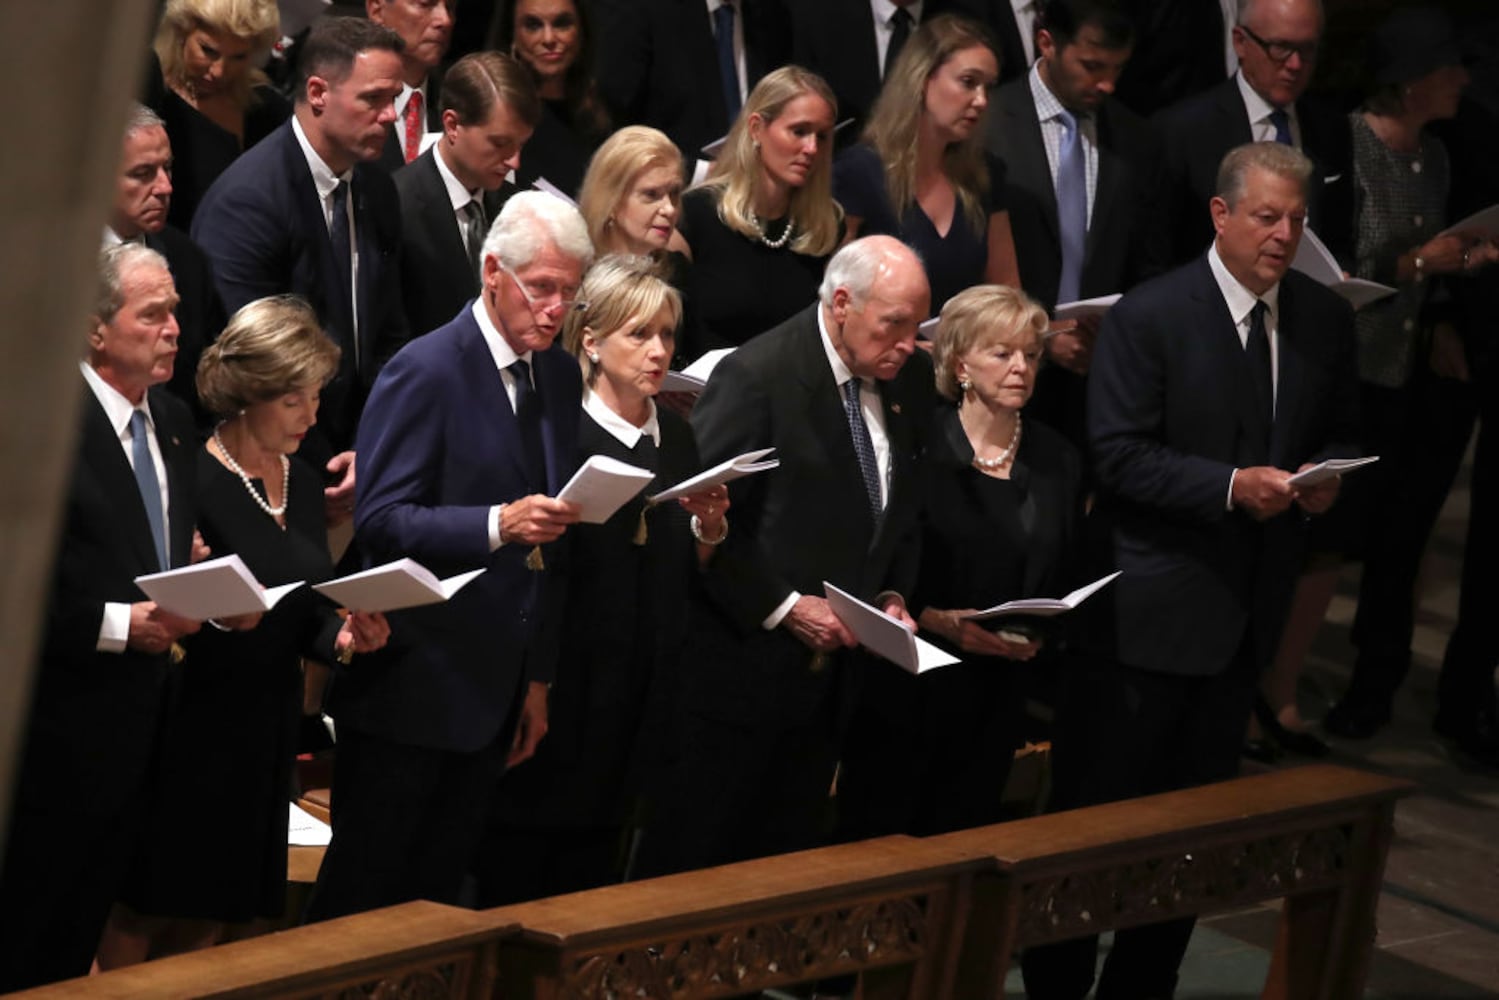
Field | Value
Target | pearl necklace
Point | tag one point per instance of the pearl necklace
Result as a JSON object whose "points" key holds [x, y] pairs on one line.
{"points": [[990, 464], [244, 477], [779, 241]]}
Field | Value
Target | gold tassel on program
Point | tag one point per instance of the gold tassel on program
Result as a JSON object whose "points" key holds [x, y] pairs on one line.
{"points": [[641, 532], [534, 562]]}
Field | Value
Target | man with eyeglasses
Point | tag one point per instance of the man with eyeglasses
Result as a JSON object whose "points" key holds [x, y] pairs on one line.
{"points": [[1276, 42], [469, 433]]}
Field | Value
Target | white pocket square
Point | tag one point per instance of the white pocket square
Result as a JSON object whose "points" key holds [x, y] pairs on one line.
{"points": [[1332, 178]]}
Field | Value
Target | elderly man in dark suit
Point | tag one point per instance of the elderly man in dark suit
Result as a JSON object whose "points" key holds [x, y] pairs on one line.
{"points": [[426, 30], [101, 685], [1276, 42], [843, 395], [1209, 386], [1080, 165], [307, 211], [143, 197], [449, 194], [470, 433]]}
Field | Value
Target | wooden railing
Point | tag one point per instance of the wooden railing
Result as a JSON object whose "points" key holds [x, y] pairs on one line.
{"points": [[934, 918]]}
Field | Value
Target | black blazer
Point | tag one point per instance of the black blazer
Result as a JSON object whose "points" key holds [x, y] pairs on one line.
{"points": [[436, 277], [1178, 53], [1171, 414], [805, 522], [660, 67], [262, 226], [200, 313], [1197, 133]]}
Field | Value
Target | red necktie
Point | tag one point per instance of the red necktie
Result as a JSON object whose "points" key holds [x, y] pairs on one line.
{"points": [[413, 125]]}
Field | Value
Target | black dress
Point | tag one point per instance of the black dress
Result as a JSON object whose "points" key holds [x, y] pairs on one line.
{"points": [[565, 810], [931, 754], [217, 825], [558, 150], [953, 262], [736, 287]]}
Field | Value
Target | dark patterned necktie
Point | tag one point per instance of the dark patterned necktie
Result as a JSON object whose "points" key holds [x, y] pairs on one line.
{"points": [[869, 466]]}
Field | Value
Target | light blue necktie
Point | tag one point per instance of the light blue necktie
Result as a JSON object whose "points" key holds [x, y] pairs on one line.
{"points": [[1072, 208], [1282, 123], [146, 482], [728, 72]]}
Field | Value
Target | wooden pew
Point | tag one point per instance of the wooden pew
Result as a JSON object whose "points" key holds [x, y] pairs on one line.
{"points": [[1315, 836]]}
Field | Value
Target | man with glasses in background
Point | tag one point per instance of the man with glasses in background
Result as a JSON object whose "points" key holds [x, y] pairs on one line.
{"points": [[469, 433], [1276, 43]]}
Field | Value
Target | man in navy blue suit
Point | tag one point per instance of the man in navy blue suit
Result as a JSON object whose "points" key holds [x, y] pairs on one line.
{"points": [[307, 211], [469, 434], [1209, 385]]}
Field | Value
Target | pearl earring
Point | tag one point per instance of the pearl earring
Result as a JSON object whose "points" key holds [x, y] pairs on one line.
{"points": [[593, 358], [965, 385]]}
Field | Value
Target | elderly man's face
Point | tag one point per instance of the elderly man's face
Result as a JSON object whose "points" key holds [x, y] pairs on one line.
{"points": [[1257, 238], [137, 347], [875, 337], [528, 306], [426, 26], [351, 115], [143, 190], [1274, 29]]}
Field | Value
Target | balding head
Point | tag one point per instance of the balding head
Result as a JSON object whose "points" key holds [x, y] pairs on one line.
{"points": [[874, 295], [1276, 42]]}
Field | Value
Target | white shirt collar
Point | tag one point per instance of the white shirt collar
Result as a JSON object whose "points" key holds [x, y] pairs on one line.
{"points": [[1240, 300], [621, 429], [1256, 106], [1048, 106], [841, 374], [459, 195], [713, 5], [1021, 6], [116, 407], [323, 177], [499, 348], [884, 10]]}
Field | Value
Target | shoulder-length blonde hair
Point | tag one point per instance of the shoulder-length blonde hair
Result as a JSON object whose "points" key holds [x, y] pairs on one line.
{"points": [[817, 217], [254, 21], [617, 288], [895, 123], [624, 156]]}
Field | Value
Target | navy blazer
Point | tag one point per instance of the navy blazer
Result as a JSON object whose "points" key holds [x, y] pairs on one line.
{"points": [[1171, 414], [438, 446], [262, 226]]}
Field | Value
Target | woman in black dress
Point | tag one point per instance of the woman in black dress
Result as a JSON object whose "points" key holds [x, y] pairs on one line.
{"points": [[931, 753], [218, 818], [760, 229], [567, 810], [920, 172], [213, 100], [554, 40]]}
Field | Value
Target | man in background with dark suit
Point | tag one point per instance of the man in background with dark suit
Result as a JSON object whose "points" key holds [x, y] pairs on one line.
{"points": [[101, 687], [1180, 52], [1080, 166], [1276, 42], [842, 394], [470, 434], [143, 196], [1013, 23], [449, 194], [306, 211], [1210, 384], [426, 29]]}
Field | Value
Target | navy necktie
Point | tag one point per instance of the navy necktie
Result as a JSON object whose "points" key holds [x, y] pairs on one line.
{"points": [[1072, 207], [1257, 352], [869, 466], [728, 71], [528, 417], [146, 482], [1282, 123], [900, 30], [343, 254]]}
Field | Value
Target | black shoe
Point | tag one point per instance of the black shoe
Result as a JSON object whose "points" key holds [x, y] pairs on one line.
{"points": [[1356, 720], [1293, 740], [1264, 751], [1476, 737]]}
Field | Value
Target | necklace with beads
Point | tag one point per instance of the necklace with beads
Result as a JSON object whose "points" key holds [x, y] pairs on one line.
{"points": [[990, 464], [779, 241], [244, 477]]}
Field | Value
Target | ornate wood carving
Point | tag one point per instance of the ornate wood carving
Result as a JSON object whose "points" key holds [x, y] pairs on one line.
{"points": [[1172, 885], [446, 981], [750, 956]]}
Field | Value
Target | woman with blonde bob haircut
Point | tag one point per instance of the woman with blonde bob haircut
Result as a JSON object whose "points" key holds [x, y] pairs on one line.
{"points": [[920, 172], [1000, 515], [570, 804], [226, 758], [632, 193], [760, 229]]}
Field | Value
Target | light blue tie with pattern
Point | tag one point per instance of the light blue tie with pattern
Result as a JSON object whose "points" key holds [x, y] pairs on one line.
{"points": [[1072, 208], [146, 482]]}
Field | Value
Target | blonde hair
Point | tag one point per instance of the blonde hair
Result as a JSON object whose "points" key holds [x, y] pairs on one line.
{"points": [[817, 217], [253, 21], [622, 158], [617, 288], [977, 317], [271, 346], [895, 122]]}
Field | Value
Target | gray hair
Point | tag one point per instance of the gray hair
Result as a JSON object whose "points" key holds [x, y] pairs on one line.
{"points": [[141, 118], [532, 221], [857, 267], [1273, 157], [114, 263]]}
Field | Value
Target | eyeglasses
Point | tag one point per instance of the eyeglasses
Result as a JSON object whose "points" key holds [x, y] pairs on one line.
{"points": [[1281, 51], [536, 296]]}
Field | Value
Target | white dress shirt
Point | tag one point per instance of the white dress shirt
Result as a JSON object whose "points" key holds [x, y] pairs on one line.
{"points": [[739, 69], [1261, 128], [458, 195], [114, 629], [1025, 23], [884, 14], [504, 356], [325, 180], [1240, 302]]}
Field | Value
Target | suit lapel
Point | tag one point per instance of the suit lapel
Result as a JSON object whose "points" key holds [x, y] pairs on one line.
{"points": [[1027, 154], [825, 417], [1229, 359], [1111, 167], [1290, 373], [175, 454], [487, 390]]}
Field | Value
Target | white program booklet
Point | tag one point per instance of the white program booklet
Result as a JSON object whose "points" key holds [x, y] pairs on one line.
{"points": [[1084, 308], [542, 184], [306, 830], [883, 635], [1044, 607], [1314, 260], [1330, 469], [404, 583], [747, 464], [1484, 223], [215, 588], [695, 376], [602, 485]]}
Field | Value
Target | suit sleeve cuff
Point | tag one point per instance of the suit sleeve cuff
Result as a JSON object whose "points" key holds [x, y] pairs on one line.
{"points": [[114, 629], [1228, 501], [781, 611]]}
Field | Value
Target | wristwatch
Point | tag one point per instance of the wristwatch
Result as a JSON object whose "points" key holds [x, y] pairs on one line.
{"points": [[1420, 263]]}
